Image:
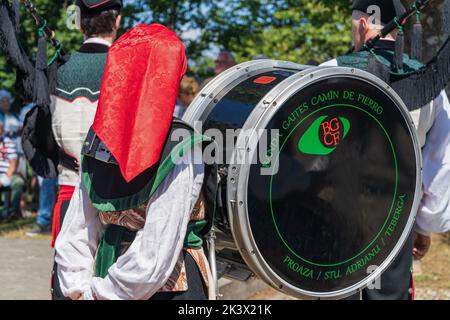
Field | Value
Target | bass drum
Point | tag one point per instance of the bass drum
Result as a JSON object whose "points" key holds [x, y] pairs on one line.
{"points": [[320, 187]]}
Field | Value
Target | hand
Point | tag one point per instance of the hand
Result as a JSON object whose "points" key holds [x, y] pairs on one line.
{"points": [[34, 182], [78, 297], [67, 161], [421, 246]]}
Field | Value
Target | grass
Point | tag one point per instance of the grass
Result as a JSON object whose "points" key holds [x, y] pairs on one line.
{"points": [[20, 234], [433, 271], [10, 226], [17, 229], [423, 278]]}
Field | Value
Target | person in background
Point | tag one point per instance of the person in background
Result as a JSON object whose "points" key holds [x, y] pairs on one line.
{"points": [[25, 171], [8, 159], [186, 94], [312, 62], [12, 127], [433, 128], [260, 57], [74, 102], [8, 165], [224, 61], [47, 195]]}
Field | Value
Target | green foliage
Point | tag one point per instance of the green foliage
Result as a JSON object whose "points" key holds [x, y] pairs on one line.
{"points": [[202, 68], [280, 30], [295, 30], [179, 15]]}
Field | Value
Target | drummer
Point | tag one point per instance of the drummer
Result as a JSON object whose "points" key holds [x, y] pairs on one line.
{"points": [[156, 256], [433, 128]]}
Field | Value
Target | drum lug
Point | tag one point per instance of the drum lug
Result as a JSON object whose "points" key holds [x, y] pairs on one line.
{"points": [[233, 203], [267, 102]]}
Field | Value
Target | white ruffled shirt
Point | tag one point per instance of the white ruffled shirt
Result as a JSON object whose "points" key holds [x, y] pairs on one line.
{"points": [[433, 215], [147, 265]]}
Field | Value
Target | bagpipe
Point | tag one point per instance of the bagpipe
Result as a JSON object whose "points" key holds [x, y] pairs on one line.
{"points": [[420, 87], [31, 73], [35, 81]]}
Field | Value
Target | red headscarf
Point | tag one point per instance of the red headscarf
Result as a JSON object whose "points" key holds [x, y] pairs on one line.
{"points": [[138, 95]]}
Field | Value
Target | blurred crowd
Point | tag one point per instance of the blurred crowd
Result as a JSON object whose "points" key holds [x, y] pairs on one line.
{"points": [[17, 184]]}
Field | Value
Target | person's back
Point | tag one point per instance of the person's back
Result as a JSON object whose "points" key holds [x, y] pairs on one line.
{"points": [[433, 128], [139, 185], [75, 101]]}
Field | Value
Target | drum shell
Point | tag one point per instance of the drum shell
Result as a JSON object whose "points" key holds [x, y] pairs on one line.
{"points": [[238, 175]]}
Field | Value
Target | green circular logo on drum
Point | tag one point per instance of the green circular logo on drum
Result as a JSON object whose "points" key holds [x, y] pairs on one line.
{"points": [[324, 135]]}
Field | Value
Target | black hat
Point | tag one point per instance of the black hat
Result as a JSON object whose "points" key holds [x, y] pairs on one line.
{"points": [[389, 8], [94, 6]]}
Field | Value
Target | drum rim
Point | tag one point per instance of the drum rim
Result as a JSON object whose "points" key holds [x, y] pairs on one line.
{"points": [[237, 190], [223, 81]]}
